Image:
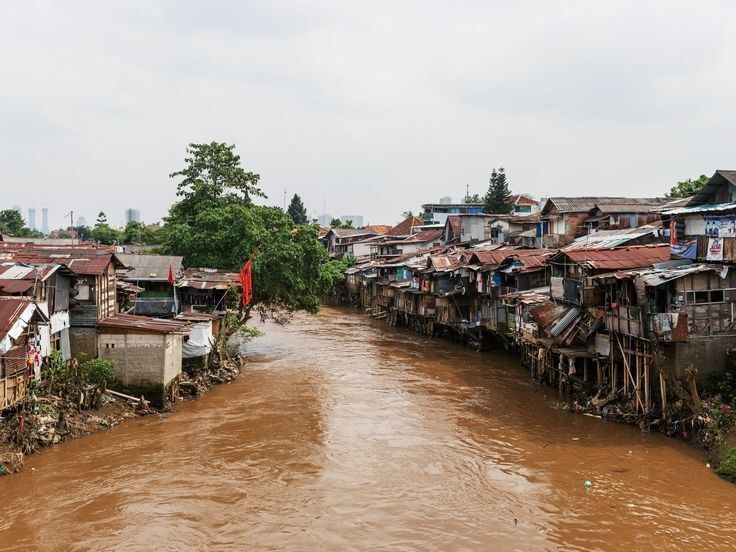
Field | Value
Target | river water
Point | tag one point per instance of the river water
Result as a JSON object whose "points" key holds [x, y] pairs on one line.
{"points": [[342, 434]]}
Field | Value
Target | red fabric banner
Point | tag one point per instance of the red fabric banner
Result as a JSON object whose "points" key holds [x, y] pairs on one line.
{"points": [[246, 279], [170, 279]]}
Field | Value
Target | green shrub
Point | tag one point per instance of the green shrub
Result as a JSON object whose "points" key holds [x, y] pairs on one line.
{"points": [[727, 465], [98, 370]]}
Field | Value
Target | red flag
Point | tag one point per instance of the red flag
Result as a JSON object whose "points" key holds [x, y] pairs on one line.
{"points": [[170, 279], [246, 279]]}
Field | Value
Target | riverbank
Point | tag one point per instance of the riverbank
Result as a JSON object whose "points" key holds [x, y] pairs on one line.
{"points": [[44, 420]]}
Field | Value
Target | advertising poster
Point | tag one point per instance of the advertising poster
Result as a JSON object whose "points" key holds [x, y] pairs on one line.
{"points": [[715, 249], [720, 227]]}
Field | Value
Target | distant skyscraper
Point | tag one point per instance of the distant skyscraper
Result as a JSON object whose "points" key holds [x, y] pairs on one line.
{"points": [[45, 220], [324, 219], [132, 215], [31, 218], [357, 220], [81, 221]]}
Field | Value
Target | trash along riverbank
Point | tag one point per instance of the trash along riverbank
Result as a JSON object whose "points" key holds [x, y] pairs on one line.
{"points": [[68, 406]]}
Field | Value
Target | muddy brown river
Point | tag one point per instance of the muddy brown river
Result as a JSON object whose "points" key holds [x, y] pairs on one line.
{"points": [[344, 434]]}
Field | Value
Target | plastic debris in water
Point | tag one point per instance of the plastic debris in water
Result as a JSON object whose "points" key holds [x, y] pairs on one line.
{"points": [[707, 465], [587, 484]]}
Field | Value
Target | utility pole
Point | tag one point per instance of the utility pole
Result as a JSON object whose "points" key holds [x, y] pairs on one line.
{"points": [[71, 219]]}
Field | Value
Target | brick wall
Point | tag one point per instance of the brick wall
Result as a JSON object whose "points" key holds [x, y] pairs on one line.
{"points": [[143, 359], [83, 340]]}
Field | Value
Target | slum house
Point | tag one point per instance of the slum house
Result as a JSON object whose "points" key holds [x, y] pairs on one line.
{"points": [[705, 228], [437, 213], [49, 286], [522, 230], [572, 266], [399, 247], [563, 219], [498, 272], [206, 290], [151, 273], [563, 346], [147, 352], [203, 331], [20, 349], [339, 241], [679, 312], [475, 228], [94, 295], [524, 204]]}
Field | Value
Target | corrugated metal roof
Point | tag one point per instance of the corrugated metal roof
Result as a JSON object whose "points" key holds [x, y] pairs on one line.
{"points": [[565, 321], [703, 208], [208, 278], [15, 286], [719, 178], [143, 323], [620, 258], [10, 311], [150, 267], [605, 204], [606, 239], [657, 276]]}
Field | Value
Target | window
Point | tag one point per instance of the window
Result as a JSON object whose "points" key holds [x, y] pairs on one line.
{"points": [[704, 297]]}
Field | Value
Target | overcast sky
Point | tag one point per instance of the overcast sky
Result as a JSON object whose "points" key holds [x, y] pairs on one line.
{"points": [[370, 107]]}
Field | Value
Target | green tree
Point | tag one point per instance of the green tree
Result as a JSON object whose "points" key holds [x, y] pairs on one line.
{"points": [[689, 187], [335, 223], [498, 197], [475, 198], [215, 224], [105, 234], [297, 211], [138, 232], [406, 214], [11, 222], [101, 218], [83, 232], [213, 177]]}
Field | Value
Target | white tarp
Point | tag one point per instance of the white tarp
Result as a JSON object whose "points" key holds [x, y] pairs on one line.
{"points": [[44, 333], [20, 325], [59, 321], [200, 340]]}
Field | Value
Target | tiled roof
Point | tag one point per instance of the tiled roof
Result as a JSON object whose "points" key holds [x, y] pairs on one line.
{"points": [[423, 237], [405, 226]]}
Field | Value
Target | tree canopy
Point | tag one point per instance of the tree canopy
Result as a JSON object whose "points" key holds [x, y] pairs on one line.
{"points": [[498, 197], [12, 223], [104, 233], [215, 224], [138, 232], [689, 187], [337, 223], [297, 211]]}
